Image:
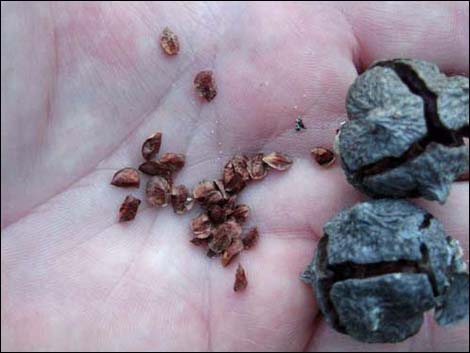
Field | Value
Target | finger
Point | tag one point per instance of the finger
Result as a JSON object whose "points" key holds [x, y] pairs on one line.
{"points": [[388, 30]]}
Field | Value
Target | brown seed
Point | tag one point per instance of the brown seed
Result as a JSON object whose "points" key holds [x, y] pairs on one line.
{"points": [[151, 146], [205, 85], [256, 167], [199, 241], [213, 197], [157, 191], [216, 214], [220, 186], [240, 166], [202, 189], [240, 213], [233, 250], [201, 226], [223, 235], [277, 161], [172, 161], [235, 174], [323, 156], [169, 42], [240, 279], [128, 208], [126, 177], [180, 199], [154, 168], [250, 238]]}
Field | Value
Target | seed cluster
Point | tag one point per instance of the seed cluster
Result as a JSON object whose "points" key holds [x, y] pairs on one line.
{"points": [[219, 227]]}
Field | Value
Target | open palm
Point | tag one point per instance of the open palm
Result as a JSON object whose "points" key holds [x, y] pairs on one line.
{"points": [[84, 84]]}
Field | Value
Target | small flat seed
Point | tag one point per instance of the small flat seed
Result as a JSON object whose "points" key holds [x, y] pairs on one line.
{"points": [[240, 279], [169, 42], [128, 209], [323, 156], [126, 177], [151, 146], [250, 239], [277, 161], [205, 85]]}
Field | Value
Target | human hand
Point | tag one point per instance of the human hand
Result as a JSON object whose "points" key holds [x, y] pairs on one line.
{"points": [[83, 84]]}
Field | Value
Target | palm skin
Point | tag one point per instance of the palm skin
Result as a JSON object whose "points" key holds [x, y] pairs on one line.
{"points": [[84, 84]]}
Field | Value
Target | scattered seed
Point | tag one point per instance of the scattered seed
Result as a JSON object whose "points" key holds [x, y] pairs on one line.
{"points": [[256, 168], [154, 168], [250, 238], [157, 191], [240, 279], [223, 235], [233, 250], [240, 213], [323, 156], [173, 161], [180, 199], [201, 226], [277, 161], [169, 42], [205, 85], [199, 241], [151, 146], [202, 189], [236, 174], [216, 214], [220, 186], [128, 208], [126, 177]]}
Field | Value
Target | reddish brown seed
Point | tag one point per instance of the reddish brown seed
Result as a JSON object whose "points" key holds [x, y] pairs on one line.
{"points": [[180, 199], [213, 197], [172, 161], [250, 238], [157, 191], [169, 42], [151, 146], [240, 213], [154, 168], [323, 156], [128, 208], [240, 279], [199, 241], [126, 177], [240, 166], [220, 186], [233, 181], [201, 226], [216, 214], [257, 169], [223, 235], [205, 85], [277, 161], [233, 250], [202, 189]]}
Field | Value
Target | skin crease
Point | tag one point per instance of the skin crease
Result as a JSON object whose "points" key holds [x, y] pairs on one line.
{"points": [[84, 84]]}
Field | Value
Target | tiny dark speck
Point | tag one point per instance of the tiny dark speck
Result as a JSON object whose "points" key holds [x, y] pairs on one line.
{"points": [[426, 221]]}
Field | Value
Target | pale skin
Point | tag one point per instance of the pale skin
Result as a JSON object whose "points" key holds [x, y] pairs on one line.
{"points": [[84, 84]]}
